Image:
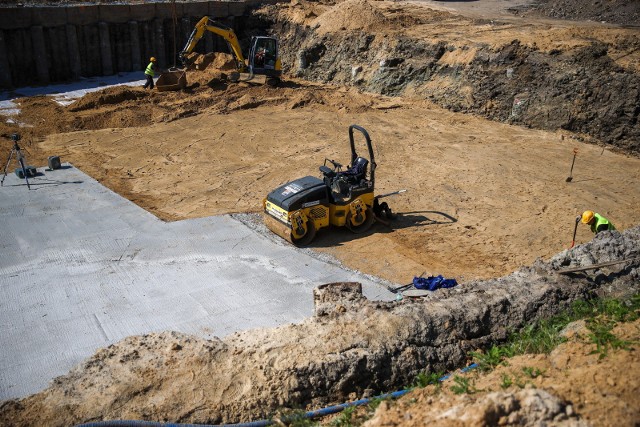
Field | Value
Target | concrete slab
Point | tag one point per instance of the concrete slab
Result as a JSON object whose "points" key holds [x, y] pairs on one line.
{"points": [[82, 268]]}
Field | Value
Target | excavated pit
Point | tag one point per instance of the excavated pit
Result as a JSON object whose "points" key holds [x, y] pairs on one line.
{"points": [[354, 347]]}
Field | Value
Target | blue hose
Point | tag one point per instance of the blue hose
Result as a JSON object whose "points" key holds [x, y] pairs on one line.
{"points": [[263, 423]]}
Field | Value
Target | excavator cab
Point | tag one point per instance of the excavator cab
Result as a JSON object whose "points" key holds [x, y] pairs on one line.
{"points": [[264, 58]]}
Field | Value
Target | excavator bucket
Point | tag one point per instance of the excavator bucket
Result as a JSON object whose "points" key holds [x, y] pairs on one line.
{"points": [[279, 228], [172, 80], [252, 78]]}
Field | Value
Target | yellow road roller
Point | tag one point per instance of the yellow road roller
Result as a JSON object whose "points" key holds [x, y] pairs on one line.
{"points": [[344, 198]]}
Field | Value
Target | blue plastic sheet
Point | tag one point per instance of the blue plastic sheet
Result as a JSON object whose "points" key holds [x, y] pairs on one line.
{"points": [[433, 282]]}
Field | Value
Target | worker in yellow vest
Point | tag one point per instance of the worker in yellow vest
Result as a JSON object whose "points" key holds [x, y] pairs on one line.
{"points": [[597, 222], [150, 72]]}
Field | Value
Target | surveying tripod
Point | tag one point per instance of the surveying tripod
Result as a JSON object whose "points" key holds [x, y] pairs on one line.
{"points": [[20, 157]]}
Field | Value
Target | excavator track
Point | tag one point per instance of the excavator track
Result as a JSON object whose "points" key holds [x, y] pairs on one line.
{"points": [[278, 227]]}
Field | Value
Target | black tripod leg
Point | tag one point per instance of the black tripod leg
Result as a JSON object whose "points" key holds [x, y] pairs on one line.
{"points": [[5, 168], [24, 171]]}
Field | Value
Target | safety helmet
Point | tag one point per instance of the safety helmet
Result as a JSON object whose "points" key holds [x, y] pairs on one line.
{"points": [[587, 216], [153, 59]]}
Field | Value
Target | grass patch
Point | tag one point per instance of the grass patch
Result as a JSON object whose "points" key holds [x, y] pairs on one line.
{"points": [[543, 336], [424, 379], [345, 419], [532, 372], [506, 381], [601, 335], [489, 360], [463, 385], [295, 418]]}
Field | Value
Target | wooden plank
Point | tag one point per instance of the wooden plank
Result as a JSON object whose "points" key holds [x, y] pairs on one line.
{"points": [[416, 293], [594, 266]]}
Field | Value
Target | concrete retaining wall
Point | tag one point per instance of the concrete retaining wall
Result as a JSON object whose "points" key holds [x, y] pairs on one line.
{"points": [[41, 45]]}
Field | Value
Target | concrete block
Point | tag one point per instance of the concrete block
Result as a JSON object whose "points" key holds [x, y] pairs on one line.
{"points": [[58, 54], [49, 16], [83, 15], [54, 162], [158, 43], [114, 13], [136, 63], [142, 12], [12, 18], [218, 9], [30, 170]]}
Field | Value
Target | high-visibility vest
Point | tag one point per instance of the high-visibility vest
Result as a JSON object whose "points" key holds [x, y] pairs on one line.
{"points": [[600, 220], [149, 71]]}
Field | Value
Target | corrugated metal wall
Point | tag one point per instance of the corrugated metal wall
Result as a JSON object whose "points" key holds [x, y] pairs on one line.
{"points": [[41, 45]]}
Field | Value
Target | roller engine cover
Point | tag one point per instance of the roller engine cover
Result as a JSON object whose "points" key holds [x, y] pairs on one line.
{"points": [[301, 193]]}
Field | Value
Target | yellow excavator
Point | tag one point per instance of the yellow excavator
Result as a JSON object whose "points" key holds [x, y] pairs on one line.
{"points": [[264, 55]]}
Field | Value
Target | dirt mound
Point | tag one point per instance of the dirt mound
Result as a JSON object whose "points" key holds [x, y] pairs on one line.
{"points": [[350, 15], [527, 407], [621, 12], [211, 61], [110, 96], [353, 347], [210, 70]]}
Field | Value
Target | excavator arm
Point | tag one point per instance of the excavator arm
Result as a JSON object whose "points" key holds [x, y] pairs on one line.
{"points": [[207, 24]]}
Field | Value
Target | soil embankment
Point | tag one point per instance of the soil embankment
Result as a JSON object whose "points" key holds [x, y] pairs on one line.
{"points": [[582, 78]]}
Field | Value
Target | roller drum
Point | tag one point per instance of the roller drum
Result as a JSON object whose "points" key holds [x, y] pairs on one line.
{"points": [[278, 227]]}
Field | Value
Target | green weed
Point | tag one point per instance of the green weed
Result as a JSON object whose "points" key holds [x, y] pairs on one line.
{"points": [[603, 338], [424, 379], [345, 418], [507, 381], [540, 337], [518, 381], [296, 418], [463, 385], [544, 336], [617, 310], [532, 372], [374, 403], [490, 359]]}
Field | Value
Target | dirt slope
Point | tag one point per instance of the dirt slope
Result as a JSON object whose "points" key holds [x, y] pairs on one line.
{"points": [[543, 74]]}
